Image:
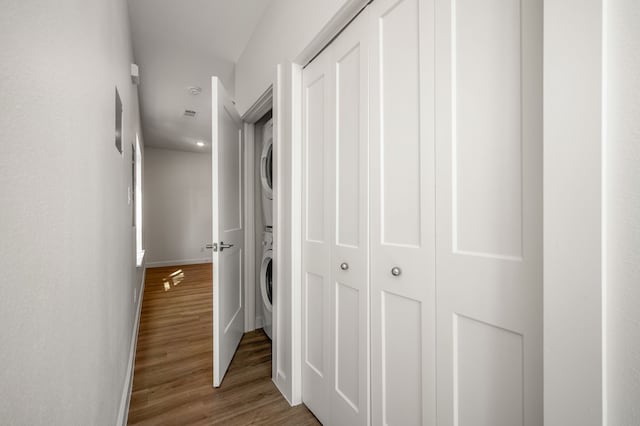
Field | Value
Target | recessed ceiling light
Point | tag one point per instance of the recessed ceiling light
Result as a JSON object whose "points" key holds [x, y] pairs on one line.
{"points": [[194, 90], [200, 143]]}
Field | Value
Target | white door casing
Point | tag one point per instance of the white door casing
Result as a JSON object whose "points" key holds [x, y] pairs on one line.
{"points": [[402, 213], [489, 212], [228, 228]]}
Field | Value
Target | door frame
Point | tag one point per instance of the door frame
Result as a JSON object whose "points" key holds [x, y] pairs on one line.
{"points": [[287, 219], [263, 105]]}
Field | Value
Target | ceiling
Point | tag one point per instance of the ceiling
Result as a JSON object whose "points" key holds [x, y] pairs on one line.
{"points": [[180, 44]]}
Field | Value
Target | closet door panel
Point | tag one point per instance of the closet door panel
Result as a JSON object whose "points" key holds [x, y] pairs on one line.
{"points": [[317, 231], [402, 213], [349, 114], [349, 252], [489, 212], [315, 159], [400, 167]]}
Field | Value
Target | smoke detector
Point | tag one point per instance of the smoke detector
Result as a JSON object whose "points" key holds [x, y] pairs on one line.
{"points": [[189, 113], [194, 90]]}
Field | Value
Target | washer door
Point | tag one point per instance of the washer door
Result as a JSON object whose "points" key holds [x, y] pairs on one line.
{"points": [[266, 168], [266, 280]]}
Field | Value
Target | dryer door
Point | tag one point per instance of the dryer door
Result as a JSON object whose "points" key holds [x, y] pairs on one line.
{"points": [[266, 280], [266, 168]]}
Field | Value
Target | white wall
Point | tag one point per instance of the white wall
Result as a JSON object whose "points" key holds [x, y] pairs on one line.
{"points": [[67, 246], [177, 207], [573, 318], [622, 211], [287, 27]]}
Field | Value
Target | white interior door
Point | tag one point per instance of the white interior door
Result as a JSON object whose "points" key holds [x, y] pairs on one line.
{"points": [[402, 213], [489, 212], [228, 230]]}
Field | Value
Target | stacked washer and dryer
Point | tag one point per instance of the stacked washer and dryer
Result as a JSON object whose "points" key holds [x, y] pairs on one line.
{"points": [[266, 264]]}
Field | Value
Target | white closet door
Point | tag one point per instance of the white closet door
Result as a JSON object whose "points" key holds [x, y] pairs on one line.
{"points": [[350, 239], [317, 211], [335, 378], [489, 212], [402, 213]]}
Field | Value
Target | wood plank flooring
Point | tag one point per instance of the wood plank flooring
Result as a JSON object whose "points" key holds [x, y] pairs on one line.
{"points": [[173, 375]]}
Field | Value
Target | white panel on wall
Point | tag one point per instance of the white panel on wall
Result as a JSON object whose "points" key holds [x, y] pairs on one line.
{"points": [[487, 110], [402, 354], [489, 374], [347, 344], [348, 80], [315, 173], [400, 144], [314, 320]]}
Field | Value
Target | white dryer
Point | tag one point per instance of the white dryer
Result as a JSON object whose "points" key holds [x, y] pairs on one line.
{"points": [[266, 280], [266, 173]]}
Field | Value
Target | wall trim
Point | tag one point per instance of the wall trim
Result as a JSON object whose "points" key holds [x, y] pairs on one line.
{"points": [[179, 262], [249, 228], [338, 22], [125, 399], [260, 107], [259, 322]]}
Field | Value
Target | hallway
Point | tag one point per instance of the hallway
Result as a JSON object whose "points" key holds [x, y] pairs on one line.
{"points": [[173, 370]]}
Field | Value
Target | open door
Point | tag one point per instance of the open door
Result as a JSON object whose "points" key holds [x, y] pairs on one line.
{"points": [[228, 230]]}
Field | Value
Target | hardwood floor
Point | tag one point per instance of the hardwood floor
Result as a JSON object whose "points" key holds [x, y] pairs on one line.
{"points": [[173, 375]]}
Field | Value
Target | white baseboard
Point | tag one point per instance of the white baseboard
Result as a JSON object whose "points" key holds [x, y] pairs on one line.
{"points": [[123, 413], [259, 322], [178, 262]]}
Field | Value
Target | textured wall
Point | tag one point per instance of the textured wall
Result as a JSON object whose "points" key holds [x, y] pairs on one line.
{"points": [[287, 27], [67, 246], [622, 143], [177, 206]]}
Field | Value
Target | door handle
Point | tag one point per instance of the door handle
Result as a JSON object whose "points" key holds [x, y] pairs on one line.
{"points": [[225, 246], [213, 247]]}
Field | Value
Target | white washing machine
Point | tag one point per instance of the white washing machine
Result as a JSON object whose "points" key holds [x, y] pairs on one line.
{"points": [[266, 173], [266, 281]]}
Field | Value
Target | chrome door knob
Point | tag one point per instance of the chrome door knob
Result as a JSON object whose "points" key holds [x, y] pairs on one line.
{"points": [[344, 266], [395, 271]]}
